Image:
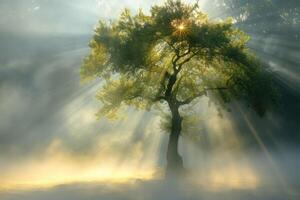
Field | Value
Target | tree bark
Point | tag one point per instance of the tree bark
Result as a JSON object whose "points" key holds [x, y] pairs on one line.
{"points": [[174, 160]]}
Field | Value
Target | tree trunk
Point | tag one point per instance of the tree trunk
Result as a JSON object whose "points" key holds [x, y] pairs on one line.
{"points": [[174, 160]]}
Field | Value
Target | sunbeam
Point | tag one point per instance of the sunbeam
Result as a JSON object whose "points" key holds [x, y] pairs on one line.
{"points": [[53, 139]]}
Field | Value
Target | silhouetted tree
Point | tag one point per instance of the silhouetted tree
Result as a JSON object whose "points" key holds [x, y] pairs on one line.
{"points": [[172, 57]]}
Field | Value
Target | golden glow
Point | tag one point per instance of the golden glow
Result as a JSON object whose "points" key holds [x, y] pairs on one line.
{"points": [[111, 164], [107, 163], [50, 174], [181, 27]]}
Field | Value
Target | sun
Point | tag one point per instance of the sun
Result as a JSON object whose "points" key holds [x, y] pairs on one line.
{"points": [[180, 27]]}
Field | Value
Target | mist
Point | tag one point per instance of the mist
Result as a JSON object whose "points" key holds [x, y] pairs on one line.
{"points": [[52, 146]]}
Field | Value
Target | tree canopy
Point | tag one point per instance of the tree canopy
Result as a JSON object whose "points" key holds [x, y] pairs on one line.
{"points": [[175, 54]]}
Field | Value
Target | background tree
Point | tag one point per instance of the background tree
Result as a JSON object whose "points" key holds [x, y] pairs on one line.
{"points": [[172, 57]]}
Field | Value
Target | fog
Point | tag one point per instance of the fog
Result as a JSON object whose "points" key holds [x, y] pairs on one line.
{"points": [[53, 147]]}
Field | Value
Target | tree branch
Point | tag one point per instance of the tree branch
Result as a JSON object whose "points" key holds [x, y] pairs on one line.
{"points": [[204, 92], [196, 6], [177, 57], [158, 98], [187, 59], [176, 67], [172, 47]]}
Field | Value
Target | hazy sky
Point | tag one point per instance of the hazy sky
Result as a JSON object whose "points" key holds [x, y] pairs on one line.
{"points": [[48, 118]]}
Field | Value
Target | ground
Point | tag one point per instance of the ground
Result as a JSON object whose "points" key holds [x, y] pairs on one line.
{"points": [[147, 190]]}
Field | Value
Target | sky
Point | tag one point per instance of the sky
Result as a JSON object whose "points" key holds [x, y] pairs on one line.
{"points": [[49, 133]]}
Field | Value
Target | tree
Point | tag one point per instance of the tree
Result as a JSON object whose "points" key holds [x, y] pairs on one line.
{"points": [[173, 56]]}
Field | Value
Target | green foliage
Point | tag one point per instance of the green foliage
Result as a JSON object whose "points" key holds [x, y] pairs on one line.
{"points": [[191, 126], [174, 55]]}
